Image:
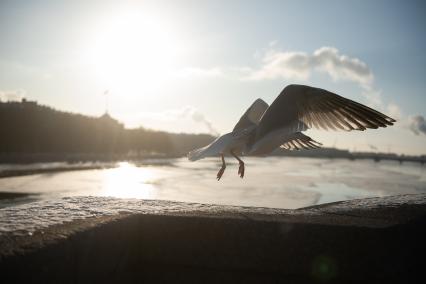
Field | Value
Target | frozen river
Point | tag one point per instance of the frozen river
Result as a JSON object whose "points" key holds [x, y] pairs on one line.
{"points": [[269, 182]]}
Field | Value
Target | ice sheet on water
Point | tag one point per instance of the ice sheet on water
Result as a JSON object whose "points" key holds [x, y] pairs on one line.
{"points": [[270, 182]]}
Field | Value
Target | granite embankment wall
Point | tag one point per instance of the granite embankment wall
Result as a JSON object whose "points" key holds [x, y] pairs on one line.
{"points": [[380, 239]]}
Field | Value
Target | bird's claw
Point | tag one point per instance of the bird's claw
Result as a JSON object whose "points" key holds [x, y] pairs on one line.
{"points": [[241, 170], [220, 173]]}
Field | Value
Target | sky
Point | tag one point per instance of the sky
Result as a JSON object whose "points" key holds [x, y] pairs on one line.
{"points": [[196, 66]]}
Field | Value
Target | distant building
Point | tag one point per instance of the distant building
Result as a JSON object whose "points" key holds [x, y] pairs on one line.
{"points": [[26, 102], [109, 120]]}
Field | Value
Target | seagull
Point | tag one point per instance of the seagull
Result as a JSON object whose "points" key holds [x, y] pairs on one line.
{"points": [[264, 128]]}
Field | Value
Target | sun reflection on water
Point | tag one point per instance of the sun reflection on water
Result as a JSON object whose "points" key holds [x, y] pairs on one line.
{"points": [[129, 181]]}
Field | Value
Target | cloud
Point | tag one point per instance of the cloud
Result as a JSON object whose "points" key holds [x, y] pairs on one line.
{"points": [[373, 97], [14, 95], [300, 65], [342, 67], [394, 111], [181, 119], [417, 124], [277, 64], [195, 115]]}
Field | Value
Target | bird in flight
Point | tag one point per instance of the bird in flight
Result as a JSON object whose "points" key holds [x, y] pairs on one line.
{"points": [[263, 128]]}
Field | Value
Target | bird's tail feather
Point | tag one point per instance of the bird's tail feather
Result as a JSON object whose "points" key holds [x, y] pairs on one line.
{"points": [[196, 154]]}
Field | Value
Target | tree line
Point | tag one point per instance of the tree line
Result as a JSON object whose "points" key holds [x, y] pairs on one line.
{"points": [[26, 127]]}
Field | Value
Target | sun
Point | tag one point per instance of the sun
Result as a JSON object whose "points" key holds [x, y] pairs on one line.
{"points": [[134, 51]]}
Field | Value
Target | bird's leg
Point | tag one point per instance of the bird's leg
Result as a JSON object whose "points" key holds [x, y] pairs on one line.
{"points": [[241, 167], [222, 169]]}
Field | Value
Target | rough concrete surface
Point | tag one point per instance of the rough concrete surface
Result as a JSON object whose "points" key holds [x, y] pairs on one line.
{"points": [[376, 239]]}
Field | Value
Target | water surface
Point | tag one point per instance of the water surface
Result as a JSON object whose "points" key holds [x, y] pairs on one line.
{"points": [[269, 182]]}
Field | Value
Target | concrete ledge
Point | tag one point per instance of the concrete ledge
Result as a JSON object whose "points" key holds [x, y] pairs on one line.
{"points": [[378, 239]]}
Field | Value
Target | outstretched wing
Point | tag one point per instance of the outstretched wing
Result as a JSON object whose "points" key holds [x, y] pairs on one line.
{"points": [[299, 106], [300, 141], [252, 115]]}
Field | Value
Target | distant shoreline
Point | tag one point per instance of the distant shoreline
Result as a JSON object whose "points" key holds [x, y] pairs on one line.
{"points": [[34, 171], [97, 162], [29, 158], [72, 158]]}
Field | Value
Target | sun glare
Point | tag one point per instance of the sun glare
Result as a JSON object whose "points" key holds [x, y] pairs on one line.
{"points": [[134, 51], [128, 181]]}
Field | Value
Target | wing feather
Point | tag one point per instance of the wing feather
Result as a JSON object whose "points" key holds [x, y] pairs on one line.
{"points": [[318, 108], [300, 141], [331, 117], [252, 115], [339, 117]]}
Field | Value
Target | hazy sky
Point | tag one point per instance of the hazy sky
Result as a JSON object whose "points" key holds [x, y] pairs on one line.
{"points": [[195, 66]]}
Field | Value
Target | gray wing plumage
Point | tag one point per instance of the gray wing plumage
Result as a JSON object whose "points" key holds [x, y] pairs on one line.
{"points": [[299, 106], [252, 115]]}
